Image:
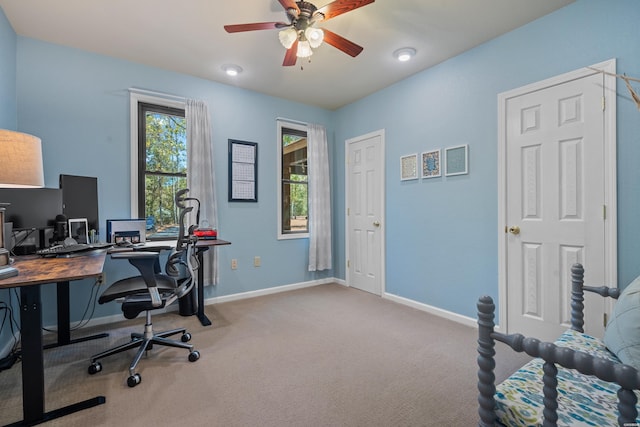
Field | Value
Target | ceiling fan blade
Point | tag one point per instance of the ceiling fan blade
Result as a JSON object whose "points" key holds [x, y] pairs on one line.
{"points": [[253, 27], [290, 57], [338, 7], [339, 42], [289, 4]]}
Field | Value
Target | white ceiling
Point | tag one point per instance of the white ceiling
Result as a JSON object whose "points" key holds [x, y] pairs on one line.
{"points": [[188, 37]]}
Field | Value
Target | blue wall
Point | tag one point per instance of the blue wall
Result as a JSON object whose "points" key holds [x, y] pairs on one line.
{"points": [[441, 234], [8, 116], [8, 120]]}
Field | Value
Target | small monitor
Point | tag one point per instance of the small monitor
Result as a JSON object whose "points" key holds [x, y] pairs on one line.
{"points": [[79, 230]]}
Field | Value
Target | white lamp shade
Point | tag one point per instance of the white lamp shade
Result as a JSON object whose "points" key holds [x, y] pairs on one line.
{"points": [[304, 49], [287, 37], [315, 36], [20, 160]]}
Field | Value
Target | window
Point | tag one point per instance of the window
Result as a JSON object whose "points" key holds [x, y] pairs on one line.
{"points": [[159, 164], [293, 201]]}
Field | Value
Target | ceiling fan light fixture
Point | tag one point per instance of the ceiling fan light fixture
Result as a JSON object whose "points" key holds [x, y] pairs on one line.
{"points": [[404, 54], [304, 49], [287, 37], [232, 70], [315, 36]]}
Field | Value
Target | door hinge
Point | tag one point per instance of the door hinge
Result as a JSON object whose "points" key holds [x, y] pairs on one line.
{"points": [[604, 103], [348, 211], [604, 211], [604, 318], [348, 264]]}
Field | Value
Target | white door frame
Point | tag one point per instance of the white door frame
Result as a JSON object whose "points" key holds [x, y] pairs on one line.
{"points": [[609, 163], [383, 256]]}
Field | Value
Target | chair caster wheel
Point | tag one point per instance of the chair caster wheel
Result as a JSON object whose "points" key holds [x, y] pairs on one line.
{"points": [[134, 380], [194, 355], [186, 337], [94, 368]]}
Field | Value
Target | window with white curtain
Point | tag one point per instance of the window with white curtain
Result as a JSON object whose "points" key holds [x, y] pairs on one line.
{"points": [[293, 196], [158, 163]]}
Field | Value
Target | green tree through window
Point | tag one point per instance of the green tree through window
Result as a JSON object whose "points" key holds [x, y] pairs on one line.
{"points": [[162, 167]]}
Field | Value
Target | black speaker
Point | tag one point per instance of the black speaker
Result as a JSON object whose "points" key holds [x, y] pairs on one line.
{"points": [[60, 231]]}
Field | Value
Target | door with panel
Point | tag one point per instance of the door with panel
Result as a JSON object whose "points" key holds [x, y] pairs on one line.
{"points": [[555, 203], [365, 212]]}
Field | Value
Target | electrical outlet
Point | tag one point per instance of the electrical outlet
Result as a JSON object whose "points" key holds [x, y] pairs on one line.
{"points": [[234, 264], [256, 261], [102, 278]]}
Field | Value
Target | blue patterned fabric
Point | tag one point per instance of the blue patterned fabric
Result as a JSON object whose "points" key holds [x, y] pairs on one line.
{"points": [[582, 400]]}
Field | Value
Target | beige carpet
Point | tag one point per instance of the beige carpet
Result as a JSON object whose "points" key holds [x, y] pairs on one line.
{"points": [[322, 356]]}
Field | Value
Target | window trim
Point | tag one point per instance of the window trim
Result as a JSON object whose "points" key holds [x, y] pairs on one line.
{"points": [[296, 126], [134, 99]]}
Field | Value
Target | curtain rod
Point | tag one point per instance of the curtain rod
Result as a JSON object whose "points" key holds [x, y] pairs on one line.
{"points": [[292, 121], [159, 94]]}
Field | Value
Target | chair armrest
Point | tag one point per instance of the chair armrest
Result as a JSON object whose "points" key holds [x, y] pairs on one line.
{"points": [[156, 301]]}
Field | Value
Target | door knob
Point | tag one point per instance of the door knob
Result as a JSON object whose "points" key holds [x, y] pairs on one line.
{"points": [[376, 223], [514, 229]]}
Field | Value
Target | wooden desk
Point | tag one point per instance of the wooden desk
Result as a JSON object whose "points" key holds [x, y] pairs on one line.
{"points": [[201, 247], [33, 272]]}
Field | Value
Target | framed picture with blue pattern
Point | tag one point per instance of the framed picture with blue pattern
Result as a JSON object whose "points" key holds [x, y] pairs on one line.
{"points": [[431, 164]]}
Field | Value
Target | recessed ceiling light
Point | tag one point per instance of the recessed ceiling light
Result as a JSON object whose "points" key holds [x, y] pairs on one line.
{"points": [[404, 54], [232, 70]]}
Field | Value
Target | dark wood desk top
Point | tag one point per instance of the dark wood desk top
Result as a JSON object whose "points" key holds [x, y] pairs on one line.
{"points": [[35, 270]]}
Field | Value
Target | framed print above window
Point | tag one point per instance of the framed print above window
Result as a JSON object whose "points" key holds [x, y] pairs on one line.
{"points": [[431, 164], [456, 160], [409, 167]]}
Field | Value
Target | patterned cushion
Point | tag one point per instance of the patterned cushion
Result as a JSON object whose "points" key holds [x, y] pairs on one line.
{"points": [[622, 335], [582, 400]]}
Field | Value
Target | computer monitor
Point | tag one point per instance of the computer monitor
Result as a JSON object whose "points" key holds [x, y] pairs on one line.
{"points": [[80, 198], [31, 208]]}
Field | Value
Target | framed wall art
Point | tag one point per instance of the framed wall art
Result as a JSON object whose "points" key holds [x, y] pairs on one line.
{"points": [[409, 167], [456, 160], [431, 164], [243, 171]]}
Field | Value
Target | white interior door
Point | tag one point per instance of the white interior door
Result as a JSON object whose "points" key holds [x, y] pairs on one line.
{"points": [[365, 212], [556, 204]]}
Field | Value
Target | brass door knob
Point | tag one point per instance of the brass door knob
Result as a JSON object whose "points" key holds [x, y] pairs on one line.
{"points": [[376, 223], [514, 229]]}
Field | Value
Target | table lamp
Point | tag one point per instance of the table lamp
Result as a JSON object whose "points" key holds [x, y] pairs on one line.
{"points": [[20, 167]]}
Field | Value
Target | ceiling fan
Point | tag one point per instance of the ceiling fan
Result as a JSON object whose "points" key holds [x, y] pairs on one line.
{"points": [[300, 36]]}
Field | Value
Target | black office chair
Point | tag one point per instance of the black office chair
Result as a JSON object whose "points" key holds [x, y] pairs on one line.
{"points": [[153, 290]]}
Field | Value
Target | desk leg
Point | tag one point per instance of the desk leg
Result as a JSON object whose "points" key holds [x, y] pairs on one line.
{"points": [[64, 318], [204, 320], [32, 356], [64, 315], [33, 363]]}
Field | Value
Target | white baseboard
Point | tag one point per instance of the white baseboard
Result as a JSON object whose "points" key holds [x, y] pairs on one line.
{"points": [[458, 318], [268, 291]]}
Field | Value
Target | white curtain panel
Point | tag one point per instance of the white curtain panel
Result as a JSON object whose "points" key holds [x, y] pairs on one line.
{"points": [[201, 177], [319, 199]]}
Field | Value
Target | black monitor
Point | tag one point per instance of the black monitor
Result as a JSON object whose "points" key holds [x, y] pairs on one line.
{"points": [[31, 208], [80, 198]]}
